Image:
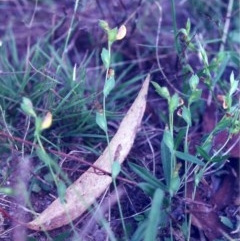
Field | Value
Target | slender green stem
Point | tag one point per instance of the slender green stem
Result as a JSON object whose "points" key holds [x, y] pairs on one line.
{"points": [[173, 157], [186, 151], [186, 136], [186, 171], [104, 103], [190, 216], [108, 142], [48, 164], [120, 210], [173, 164], [39, 142]]}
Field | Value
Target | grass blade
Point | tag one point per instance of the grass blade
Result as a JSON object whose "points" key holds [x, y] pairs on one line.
{"points": [[154, 216]]}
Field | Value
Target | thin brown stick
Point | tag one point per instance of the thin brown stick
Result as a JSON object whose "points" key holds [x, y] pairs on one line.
{"points": [[65, 155]]}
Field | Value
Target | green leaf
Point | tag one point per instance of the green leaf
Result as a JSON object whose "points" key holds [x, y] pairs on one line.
{"points": [[198, 177], [175, 180], [221, 69], [166, 163], [192, 47], [188, 26], [112, 34], [162, 91], [188, 157], [233, 84], [6, 191], [207, 145], [105, 56], [147, 188], [116, 168], [43, 156], [104, 25], [147, 176], [154, 216], [168, 140], [139, 233], [186, 115], [193, 82], [48, 161], [232, 79], [233, 88], [222, 125], [174, 103], [61, 189], [203, 153], [27, 107], [183, 31], [226, 221], [178, 140], [174, 185], [195, 96], [203, 54], [38, 123], [219, 158], [101, 121], [187, 68], [109, 85]]}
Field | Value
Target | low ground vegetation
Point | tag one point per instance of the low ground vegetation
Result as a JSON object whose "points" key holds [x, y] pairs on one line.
{"points": [[71, 78]]}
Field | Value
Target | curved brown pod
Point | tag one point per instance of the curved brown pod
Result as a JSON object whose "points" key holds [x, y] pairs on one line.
{"points": [[90, 185]]}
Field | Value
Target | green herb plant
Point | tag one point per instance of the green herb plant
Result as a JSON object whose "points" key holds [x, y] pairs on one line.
{"points": [[101, 119], [174, 156], [40, 125]]}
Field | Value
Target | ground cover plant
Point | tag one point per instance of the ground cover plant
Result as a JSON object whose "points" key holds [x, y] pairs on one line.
{"points": [[86, 85]]}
